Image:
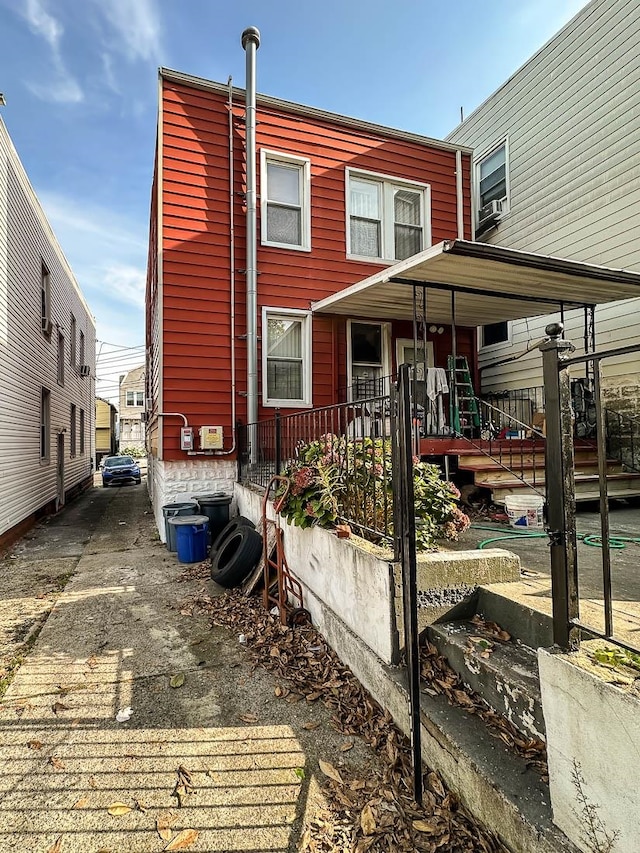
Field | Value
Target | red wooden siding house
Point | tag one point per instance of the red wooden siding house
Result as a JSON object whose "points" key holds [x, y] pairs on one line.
{"points": [[337, 200]]}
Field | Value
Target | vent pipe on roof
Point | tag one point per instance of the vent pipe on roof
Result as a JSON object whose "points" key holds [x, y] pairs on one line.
{"points": [[250, 43]]}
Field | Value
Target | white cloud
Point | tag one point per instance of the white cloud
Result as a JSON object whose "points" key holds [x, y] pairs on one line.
{"points": [[137, 28], [62, 87], [126, 282], [42, 23]]}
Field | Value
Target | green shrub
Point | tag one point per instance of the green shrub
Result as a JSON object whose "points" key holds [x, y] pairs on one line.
{"points": [[334, 479], [136, 452]]}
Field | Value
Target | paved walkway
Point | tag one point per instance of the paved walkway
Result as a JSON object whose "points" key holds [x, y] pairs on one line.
{"points": [[114, 639]]}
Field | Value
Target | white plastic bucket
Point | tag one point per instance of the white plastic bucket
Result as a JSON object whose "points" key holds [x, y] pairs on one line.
{"points": [[525, 510]]}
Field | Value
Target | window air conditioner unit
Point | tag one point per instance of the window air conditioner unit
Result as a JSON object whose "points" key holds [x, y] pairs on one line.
{"points": [[47, 325], [85, 370], [490, 212]]}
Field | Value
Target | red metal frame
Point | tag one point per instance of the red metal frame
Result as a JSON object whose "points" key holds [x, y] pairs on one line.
{"points": [[288, 586]]}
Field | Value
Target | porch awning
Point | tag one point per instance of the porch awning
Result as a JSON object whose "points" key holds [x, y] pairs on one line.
{"points": [[483, 283]]}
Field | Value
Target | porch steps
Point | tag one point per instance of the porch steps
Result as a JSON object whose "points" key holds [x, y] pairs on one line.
{"points": [[518, 470]]}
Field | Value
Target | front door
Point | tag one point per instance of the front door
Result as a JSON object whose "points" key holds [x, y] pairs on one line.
{"points": [[60, 472], [368, 365]]}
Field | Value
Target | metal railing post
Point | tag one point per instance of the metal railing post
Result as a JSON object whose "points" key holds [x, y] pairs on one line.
{"points": [[560, 488], [407, 538], [278, 442]]}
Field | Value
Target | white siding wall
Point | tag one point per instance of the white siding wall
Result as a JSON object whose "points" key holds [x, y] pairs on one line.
{"points": [[572, 116], [28, 359]]}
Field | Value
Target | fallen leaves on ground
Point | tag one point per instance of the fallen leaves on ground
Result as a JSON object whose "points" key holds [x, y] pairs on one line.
{"points": [[491, 628], [119, 809], [183, 840], [198, 572], [82, 803], [54, 761], [384, 800], [164, 822], [177, 680], [248, 718], [58, 706], [56, 847], [34, 744], [442, 679], [183, 786]]}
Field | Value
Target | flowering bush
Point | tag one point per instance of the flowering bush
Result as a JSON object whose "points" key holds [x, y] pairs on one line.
{"points": [[333, 479]]}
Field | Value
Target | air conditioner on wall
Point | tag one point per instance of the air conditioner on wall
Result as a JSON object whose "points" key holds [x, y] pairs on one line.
{"points": [[85, 370]]}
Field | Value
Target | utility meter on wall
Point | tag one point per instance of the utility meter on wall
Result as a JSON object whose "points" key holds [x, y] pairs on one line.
{"points": [[186, 438]]}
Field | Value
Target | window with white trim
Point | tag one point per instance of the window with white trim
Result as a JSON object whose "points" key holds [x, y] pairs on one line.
{"points": [[285, 200], [45, 299], [387, 218], [492, 178], [72, 342], [45, 423], [135, 398], [286, 357], [81, 430], [72, 431]]}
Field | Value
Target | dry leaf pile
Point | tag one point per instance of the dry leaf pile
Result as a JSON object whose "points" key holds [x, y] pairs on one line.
{"points": [[195, 572], [443, 680], [378, 814]]}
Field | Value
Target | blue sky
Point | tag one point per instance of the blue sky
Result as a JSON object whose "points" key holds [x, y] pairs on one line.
{"points": [[80, 81]]}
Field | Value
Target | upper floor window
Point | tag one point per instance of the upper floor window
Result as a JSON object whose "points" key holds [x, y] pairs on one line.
{"points": [[45, 299], [81, 430], [286, 357], [82, 348], [72, 343], [60, 358], [492, 184], [285, 194], [135, 398], [387, 218]]}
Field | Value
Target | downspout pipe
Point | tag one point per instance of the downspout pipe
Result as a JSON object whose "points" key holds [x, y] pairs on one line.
{"points": [[250, 43]]}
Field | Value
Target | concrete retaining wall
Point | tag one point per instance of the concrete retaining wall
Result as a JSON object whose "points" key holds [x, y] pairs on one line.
{"points": [[596, 724], [353, 582]]}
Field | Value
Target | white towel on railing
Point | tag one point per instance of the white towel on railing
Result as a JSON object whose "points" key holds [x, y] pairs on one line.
{"points": [[436, 387]]}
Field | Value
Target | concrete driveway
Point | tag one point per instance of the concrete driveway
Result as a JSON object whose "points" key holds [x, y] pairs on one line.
{"points": [[185, 761]]}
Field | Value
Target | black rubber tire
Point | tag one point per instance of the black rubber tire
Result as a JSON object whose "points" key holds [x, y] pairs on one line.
{"points": [[238, 556], [227, 530], [298, 616]]}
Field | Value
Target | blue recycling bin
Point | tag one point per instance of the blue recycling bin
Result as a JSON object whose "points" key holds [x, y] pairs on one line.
{"points": [[171, 511], [191, 537]]}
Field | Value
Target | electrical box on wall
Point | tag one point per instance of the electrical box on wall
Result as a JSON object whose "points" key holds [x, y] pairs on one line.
{"points": [[211, 438], [186, 438]]}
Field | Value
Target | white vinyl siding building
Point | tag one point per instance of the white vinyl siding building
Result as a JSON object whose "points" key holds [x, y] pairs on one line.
{"points": [[36, 410], [571, 115]]}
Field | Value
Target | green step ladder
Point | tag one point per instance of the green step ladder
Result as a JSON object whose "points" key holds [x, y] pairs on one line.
{"points": [[464, 414]]}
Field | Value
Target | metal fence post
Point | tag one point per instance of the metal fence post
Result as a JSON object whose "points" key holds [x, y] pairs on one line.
{"points": [[278, 442], [560, 488], [407, 541]]}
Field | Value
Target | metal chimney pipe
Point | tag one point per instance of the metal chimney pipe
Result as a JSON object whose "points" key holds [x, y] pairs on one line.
{"points": [[251, 43]]}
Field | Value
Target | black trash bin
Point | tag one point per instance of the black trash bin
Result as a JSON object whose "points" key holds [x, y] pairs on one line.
{"points": [[171, 511], [216, 508]]}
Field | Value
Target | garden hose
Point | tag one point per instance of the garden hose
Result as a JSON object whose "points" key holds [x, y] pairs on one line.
{"points": [[593, 539]]}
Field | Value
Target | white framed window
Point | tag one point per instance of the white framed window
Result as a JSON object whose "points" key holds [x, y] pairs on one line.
{"points": [[81, 430], [285, 200], [286, 357], [60, 358], [81, 347], [135, 398], [387, 218], [492, 181], [494, 335]]}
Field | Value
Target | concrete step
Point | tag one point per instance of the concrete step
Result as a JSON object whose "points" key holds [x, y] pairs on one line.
{"points": [[504, 674], [531, 627]]}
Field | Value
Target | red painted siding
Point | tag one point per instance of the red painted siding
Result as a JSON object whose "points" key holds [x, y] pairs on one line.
{"points": [[196, 236]]}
